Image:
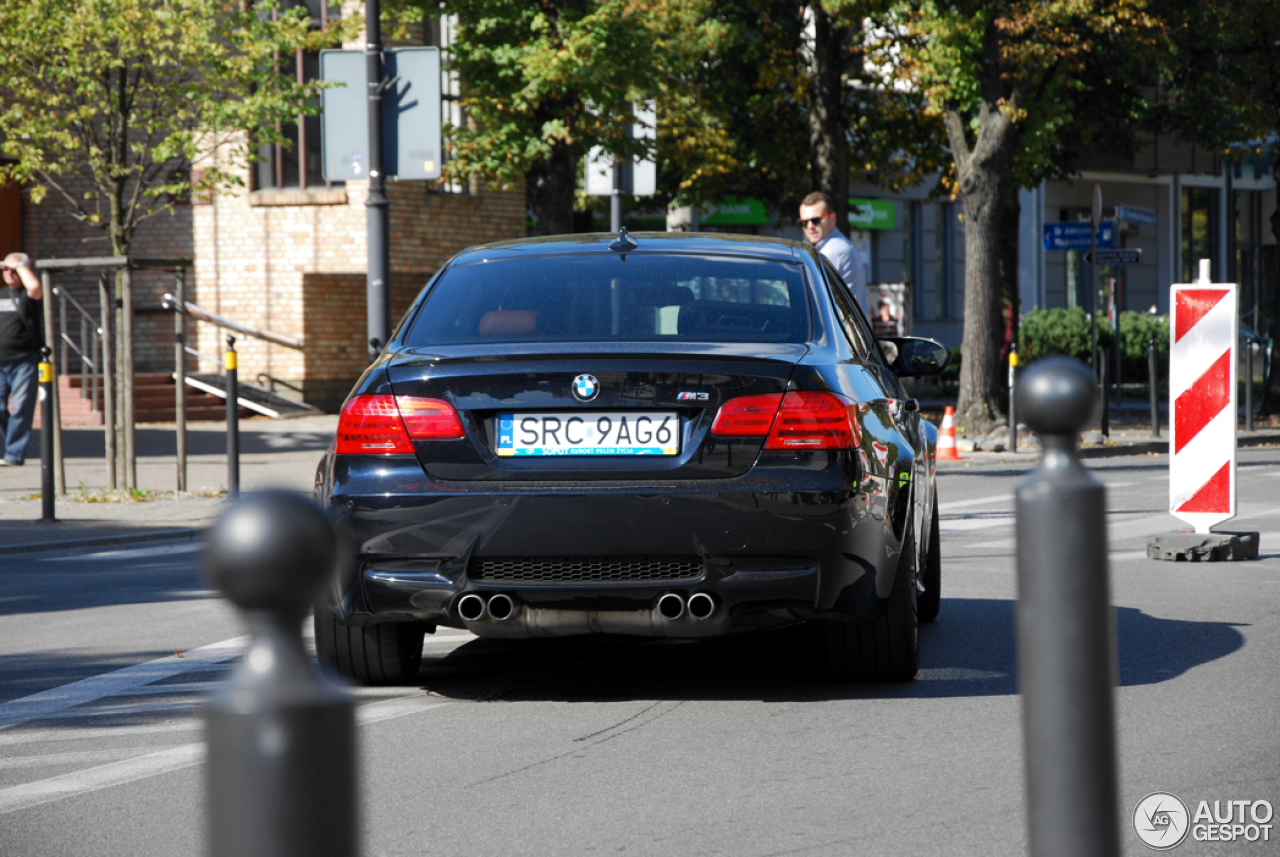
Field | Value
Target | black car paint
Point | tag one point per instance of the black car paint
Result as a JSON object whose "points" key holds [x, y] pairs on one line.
{"points": [[818, 532]]}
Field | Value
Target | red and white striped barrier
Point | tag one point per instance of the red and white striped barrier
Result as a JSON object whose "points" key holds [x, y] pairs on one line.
{"points": [[1202, 388]]}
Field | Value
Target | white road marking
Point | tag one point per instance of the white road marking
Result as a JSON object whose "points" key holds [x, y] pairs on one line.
{"points": [[173, 759], [94, 733], [135, 553], [46, 760], [956, 674], [966, 524], [944, 508], [48, 702]]}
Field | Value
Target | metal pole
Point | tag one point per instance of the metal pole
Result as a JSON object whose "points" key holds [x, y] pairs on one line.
{"points": [[233, 422], [126, 372], [1115, 308], [281, 773], [84, 353], [377, 206], [1153, 380], [1013, 398], [96, 375], [1066, 634], [47, 421], [1093, 299], [180, 375], [1106, 410], [1248, 386], [615, 200], [62, 330], [55, 427], [108, 381]]}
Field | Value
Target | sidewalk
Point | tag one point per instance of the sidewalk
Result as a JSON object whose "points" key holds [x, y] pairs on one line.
{"points": [[273, 454]]}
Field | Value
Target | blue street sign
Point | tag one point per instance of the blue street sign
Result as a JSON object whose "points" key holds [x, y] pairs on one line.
{"points": [[1134, 214], [1075, 235]]}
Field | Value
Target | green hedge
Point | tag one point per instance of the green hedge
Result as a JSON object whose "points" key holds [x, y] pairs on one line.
{"points": [[1066, 331]]}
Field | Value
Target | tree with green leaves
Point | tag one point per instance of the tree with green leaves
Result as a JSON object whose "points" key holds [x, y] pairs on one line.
{"points": [[109, 104], [543, 82], [1008, 78], [1222, 76]]}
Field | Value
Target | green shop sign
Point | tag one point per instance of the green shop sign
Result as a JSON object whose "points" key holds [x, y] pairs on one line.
{"points": [[735, 211], [872, 214]]}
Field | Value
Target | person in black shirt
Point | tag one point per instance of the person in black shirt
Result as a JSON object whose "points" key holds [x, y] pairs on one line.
{"points": [[21, 337]]}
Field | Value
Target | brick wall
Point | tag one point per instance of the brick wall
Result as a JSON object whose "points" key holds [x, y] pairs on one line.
{"points": [[49, 232], [293, 262]]}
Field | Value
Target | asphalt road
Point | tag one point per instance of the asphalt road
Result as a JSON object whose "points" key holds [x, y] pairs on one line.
{"points": [[658, 747]]}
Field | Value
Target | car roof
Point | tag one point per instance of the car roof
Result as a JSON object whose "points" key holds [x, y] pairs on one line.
{"points": [[597, 244]]}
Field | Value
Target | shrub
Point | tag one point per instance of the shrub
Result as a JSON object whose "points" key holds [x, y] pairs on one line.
{"points": [[1067, 331]]}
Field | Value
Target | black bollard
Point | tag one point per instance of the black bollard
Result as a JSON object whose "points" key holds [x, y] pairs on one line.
{"points": [[1106, 409], [233, 422], [46, 435], [1153, 381], [1013, 403], [1066, 633], [281, 771]]}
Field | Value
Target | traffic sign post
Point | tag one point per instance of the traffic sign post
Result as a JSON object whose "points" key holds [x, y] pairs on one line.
{"points": [[607, 176], [362, 140]]}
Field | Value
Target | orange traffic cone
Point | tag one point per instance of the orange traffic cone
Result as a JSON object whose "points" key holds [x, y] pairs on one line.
{"points": [[947, 438]]}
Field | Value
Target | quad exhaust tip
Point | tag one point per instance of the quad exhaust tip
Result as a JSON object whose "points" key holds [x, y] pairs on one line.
{"points": [[501, 607], [701, 606], [671, 607], [471, 607]]}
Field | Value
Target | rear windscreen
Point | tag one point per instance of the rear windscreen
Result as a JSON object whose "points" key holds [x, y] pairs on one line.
{"points": [[598, 298]]}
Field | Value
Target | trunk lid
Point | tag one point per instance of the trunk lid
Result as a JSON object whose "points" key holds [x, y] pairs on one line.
{"points": [[633, 380]]}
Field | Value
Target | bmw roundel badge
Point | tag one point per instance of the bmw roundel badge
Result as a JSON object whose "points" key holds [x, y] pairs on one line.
{"points": [[585, 388]]}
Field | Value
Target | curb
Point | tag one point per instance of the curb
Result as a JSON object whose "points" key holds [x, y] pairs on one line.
{"points": [[106, 541]]}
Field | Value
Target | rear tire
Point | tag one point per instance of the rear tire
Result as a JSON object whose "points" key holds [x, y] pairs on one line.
{"points": [[929, 602], [389, 653], [887, 649]]}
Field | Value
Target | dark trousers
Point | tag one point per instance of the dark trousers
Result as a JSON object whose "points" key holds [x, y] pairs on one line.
{"points": [[19, 392]]}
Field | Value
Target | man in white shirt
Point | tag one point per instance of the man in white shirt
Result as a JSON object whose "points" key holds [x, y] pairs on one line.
{"points": [[818, 220]]}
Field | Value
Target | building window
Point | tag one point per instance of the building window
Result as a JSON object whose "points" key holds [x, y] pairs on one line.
{"points": [[298, 165], [943, 254], [1199, 231]]}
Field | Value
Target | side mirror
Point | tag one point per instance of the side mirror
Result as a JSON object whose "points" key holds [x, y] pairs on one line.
{"points": [[912, 356]]}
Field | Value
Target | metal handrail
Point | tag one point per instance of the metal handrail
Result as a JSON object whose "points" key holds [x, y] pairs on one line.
{"points": [[188, 308], [88, 380], [214, 360]]}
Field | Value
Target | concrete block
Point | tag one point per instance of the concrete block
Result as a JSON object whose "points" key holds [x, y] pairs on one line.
{"points": [[1203, 547]]}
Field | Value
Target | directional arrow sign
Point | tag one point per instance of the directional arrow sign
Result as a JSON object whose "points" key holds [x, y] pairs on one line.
{"points": [[1116, 257]]}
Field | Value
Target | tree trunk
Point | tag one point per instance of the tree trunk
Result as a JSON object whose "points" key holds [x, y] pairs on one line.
{"points": [[982, 399], [550, 186], [825, 99]]}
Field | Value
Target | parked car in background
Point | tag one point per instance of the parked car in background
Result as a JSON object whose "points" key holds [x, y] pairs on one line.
{"points": [[654, 435]]}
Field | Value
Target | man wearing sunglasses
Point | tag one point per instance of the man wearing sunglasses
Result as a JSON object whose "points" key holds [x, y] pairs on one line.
{"points": [[818, 220]]}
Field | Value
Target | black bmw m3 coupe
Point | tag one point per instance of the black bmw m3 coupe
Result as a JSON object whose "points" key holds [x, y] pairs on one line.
{"points": [[656, 435]]}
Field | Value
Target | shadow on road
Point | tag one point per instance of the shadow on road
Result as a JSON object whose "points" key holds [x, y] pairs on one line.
{"points": [[143, 574], [969, 652]]}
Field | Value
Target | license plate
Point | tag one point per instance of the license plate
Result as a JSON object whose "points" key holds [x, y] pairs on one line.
{"points": [[596, 433]]}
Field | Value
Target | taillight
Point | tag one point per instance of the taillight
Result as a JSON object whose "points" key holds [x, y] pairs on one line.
{"points": [[746, 416], [381, 425], [429, 419], [812, 420]]}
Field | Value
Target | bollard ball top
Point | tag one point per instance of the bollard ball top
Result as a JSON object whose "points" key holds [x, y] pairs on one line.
{"points": [[272, 550], [1058, 395]]}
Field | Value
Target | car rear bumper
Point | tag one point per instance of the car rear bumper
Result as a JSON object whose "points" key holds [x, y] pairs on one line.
{"points": [[750, 543]]}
